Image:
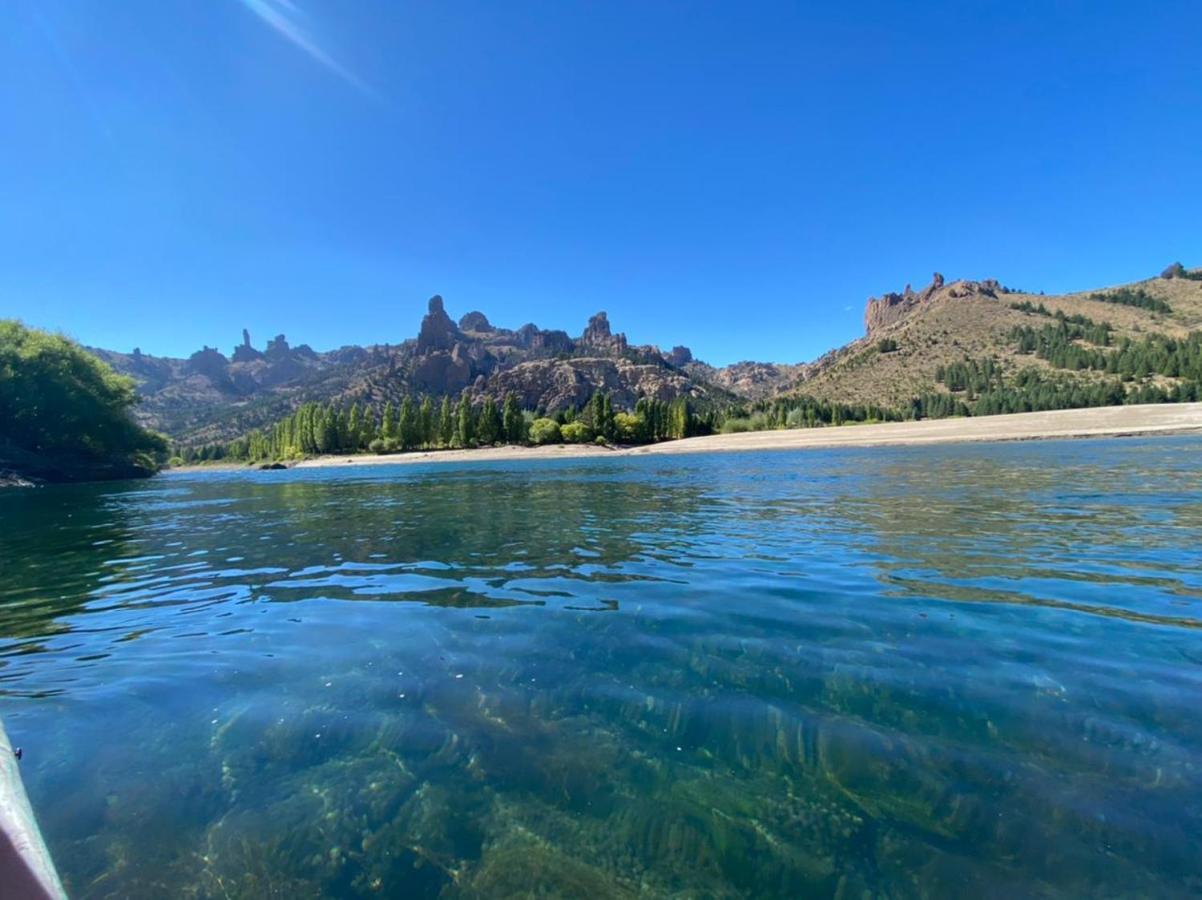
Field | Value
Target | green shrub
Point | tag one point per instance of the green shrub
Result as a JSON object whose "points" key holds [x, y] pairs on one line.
{"points": [[545, 431], [576, 433], [57, 398], [630, 427]]}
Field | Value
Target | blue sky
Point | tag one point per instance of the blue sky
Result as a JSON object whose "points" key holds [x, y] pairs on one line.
{"points": [[738, 177]]}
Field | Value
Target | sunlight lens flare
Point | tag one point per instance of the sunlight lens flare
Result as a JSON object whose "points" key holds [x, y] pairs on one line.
{"points": [[284, 17]]}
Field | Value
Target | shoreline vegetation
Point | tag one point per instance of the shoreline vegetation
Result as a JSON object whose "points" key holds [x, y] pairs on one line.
{"points": [[67, 416], [1095, 422]]}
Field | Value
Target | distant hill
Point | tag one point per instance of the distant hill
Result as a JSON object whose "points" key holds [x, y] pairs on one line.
{"points": [[211, 397], [911, 338], [910, 335]]}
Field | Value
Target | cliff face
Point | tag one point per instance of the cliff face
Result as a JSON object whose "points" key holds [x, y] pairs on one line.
{"points": [[211, 397]]}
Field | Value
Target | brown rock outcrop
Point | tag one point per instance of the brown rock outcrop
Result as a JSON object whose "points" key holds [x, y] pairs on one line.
{"points": [[438, 332], [597, 336], [477, 322], [680, 356], [892, 307]]}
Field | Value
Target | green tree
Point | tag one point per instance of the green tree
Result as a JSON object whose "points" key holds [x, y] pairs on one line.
{"points": [[576, 432], [426, 426], [488, 427], [388, 429], [354, 427], [446, 423], [607, 427], [465, 423], [407, 425], [58, 399], [545, 431], [514, 423]]}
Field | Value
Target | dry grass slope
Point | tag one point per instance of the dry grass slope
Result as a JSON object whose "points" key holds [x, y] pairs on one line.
{"points": [[948, 328]]}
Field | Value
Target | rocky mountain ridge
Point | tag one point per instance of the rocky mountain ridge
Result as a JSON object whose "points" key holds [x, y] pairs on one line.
{"points": [[908, 336], [210, 396]]}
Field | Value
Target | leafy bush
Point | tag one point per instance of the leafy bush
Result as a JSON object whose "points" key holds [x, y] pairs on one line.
{"points": [[886, 345], [630, 427], [576, 433], [58, 399], [545, 431]]}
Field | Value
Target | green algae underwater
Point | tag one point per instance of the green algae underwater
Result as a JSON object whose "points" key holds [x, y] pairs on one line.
{"points": [[905, 672]]}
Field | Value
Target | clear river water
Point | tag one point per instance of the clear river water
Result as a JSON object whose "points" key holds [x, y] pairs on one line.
{"points": [[969, 671]]}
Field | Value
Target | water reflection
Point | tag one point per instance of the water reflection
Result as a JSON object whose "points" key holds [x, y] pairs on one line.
{"points": [[897, 673]]}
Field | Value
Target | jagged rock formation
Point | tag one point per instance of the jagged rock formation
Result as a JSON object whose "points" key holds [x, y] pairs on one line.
{"points": [[475, 322], [752, 380], [244, 352], [679, 356], [889, 308], [597, 336], [210, 397]]}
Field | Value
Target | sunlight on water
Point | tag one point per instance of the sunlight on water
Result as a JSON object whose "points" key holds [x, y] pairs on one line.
{"points": [[916, 672]]}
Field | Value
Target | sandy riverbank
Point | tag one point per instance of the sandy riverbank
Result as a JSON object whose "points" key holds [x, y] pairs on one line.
{"points": [[1111, 421]]}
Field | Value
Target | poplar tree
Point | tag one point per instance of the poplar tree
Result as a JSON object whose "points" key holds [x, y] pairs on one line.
{"points": [[488, 428], [426, 424], [388, 428], [465, 429], [354, 427], [407, 424], [513, 422], [446, 423]]}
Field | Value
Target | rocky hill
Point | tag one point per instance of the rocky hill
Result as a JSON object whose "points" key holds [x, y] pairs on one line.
{"points": [[210, 396], [910, 335]]}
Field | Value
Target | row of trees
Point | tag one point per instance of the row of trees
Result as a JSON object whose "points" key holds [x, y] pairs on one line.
{"points": [[970, 376], [1137, 297], [315, 428], [1155, 354], [804, 412], [986, 393]]}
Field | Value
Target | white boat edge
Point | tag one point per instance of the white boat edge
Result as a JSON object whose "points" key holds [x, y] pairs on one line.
{"points": [[26, 869]]}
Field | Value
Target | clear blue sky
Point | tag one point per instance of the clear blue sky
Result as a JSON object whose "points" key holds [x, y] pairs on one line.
{"points": [[735, 176]]}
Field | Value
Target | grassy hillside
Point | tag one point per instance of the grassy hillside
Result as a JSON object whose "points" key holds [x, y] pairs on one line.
{"points": [[971, 320]]}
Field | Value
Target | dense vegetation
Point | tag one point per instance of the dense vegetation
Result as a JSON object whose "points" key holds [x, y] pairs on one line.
{"points": [[803, 412], [1155, 354], [978, 388], [422, 424], [1137, 297], [64, 413]]}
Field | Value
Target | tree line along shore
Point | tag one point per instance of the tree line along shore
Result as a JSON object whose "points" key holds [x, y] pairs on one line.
{"points": [[67, 416]]}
